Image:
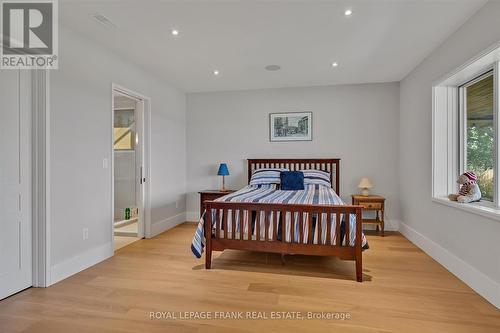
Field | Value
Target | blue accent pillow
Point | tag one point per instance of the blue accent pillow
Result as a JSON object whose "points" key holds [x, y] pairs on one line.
{"points": [[292, 180]]}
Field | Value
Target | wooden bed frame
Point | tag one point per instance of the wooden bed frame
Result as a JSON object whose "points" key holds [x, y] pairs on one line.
{"points": [[222, 240]]}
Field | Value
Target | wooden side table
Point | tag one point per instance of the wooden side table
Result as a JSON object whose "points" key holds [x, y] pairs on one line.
{"points": [[372, 203], [209, 195]]}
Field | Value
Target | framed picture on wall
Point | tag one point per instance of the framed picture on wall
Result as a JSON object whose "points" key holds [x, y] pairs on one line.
{"points": [[290, 126]]}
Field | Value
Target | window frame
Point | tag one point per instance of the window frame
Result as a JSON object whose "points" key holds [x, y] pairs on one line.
{"points": [[462, 129], [446, 140]]}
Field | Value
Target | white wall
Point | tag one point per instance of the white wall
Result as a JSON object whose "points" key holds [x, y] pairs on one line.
{"points": [[467, 244], [357, 123], [80, 111]]}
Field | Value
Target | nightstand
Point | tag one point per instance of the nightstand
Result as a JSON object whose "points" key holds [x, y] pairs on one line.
{"points": [[374, 203], [209, 195]]}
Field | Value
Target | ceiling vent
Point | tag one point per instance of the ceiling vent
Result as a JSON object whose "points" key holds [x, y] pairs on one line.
{"points": [[272, 68], [103, 20]]}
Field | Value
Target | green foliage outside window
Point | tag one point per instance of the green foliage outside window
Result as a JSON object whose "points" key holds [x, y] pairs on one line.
{"points": [[480, 145], [481, 133]]}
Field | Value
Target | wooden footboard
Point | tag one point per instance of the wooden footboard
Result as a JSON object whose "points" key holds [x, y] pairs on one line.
{"points": [[262, 233]]}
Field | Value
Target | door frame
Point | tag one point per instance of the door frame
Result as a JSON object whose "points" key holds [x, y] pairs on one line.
{"points": [[40, 128], [146, 153]]}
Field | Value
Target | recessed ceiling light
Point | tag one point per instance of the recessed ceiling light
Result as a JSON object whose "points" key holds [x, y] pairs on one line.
{"points": [[335, 64], [175, 32], [348, 12], [216, 72], [272, 68]]}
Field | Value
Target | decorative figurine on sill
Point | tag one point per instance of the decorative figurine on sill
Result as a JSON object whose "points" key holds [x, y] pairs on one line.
{"points": [[469, 190]]}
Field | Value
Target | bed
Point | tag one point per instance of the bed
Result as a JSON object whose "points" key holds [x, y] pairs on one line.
{"points": [[262, 217]]}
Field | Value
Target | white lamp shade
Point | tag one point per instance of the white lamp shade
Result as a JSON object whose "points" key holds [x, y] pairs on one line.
{"points": [[365, 183]]}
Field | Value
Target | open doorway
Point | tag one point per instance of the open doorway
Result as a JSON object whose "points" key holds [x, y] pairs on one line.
{"points": [[128, 168]]}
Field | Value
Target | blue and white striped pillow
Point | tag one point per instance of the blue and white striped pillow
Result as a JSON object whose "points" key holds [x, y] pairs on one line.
{"points": [[317, 177], [266, 176]]}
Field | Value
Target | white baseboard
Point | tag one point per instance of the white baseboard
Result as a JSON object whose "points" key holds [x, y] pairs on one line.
{"points": [[164, 225], [80, 262], [193, 217], [475, 279]]}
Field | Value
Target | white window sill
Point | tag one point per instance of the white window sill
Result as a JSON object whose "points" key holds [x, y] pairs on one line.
{"points": [[483, 208]]}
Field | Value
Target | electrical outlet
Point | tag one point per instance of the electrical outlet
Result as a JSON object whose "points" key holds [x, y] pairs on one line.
{"points": [[85, 233]]}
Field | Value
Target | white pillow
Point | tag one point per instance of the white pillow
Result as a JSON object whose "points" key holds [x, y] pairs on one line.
{"points": [[317, 177], [266, 176]]}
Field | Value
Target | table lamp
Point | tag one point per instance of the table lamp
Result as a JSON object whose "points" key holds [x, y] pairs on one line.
{"points": [[223, 171], [365, 185]]}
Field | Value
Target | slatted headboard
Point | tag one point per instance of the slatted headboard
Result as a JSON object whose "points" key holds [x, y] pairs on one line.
{"points": [[331, 165]]}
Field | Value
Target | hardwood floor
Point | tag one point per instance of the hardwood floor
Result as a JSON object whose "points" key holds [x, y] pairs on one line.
{"points": [[404, 290]]}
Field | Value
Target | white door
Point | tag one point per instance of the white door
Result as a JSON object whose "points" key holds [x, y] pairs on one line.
{"points": [[15, 182]]}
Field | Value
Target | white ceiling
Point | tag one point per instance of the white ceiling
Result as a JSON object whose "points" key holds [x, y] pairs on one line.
{"points": [[381, 42]]}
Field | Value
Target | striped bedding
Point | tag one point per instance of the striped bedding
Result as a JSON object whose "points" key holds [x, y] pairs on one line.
{"points": [[315, 194]]}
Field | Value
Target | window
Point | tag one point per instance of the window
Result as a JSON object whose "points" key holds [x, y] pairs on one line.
{"points": [[465, 132], [124, 129], [478, 132]]}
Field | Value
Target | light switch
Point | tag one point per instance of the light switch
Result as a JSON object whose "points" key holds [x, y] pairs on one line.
{"points": [[105, 163]]}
